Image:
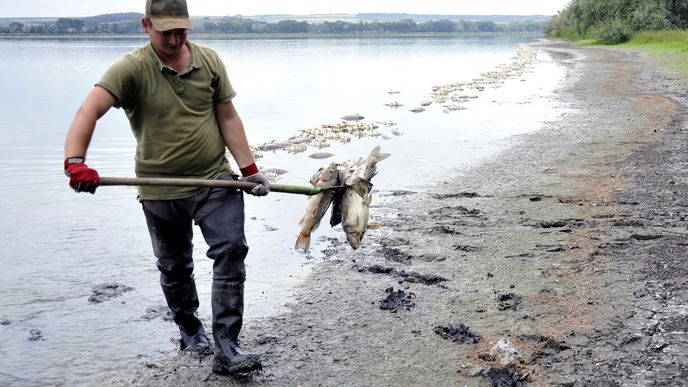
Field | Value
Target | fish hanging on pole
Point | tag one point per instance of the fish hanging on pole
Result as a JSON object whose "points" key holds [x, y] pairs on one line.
{"points": [[347, 189]]}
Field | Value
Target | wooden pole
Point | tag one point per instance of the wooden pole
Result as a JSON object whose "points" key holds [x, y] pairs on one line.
{"points": [[231, 184]]}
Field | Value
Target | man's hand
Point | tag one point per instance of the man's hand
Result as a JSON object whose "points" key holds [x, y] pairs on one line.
{"points": [[81, 177], [264, 184]]}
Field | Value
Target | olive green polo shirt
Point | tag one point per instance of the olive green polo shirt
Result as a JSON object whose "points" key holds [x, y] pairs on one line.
{"points": [[172, 116]]}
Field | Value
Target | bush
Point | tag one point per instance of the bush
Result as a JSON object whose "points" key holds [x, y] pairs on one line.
{"points": [[612, 32]]}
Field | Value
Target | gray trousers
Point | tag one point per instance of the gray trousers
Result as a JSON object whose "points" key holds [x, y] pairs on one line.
{"points": [[219, 213]]}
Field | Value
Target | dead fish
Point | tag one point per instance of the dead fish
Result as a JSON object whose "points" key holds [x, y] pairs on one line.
{"points": [[353, 117], [357, 197], [426, 103], [344, 169], [273, 146], [321, 155], [299, 140], [417, 110], [355, 212], [317, 205]]}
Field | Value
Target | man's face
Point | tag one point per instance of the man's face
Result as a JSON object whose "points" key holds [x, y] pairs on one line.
{"points": [[166, 43]]}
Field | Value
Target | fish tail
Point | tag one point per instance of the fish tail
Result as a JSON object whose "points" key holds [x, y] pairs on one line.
{"points": [[303, 242]]}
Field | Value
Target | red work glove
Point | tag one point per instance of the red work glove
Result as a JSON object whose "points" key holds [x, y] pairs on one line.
{"points": [[252, 174], [81, 177]]}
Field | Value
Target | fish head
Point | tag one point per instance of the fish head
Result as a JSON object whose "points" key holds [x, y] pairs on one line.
{"points": [[354, 235], [326, 176]]}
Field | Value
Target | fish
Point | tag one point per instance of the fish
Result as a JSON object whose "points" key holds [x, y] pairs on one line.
{"points": [[356, 199], [355, 213], [353, 117], [350, 198], [344, 168], [321, 155], [317, 205]]}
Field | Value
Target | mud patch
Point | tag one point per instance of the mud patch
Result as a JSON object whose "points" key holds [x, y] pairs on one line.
{"points": [[459, 333], [36, 335], [397, 300], [443, 229], [396, 255], [508, 301], [411, 277], [162, 312], [459, 195], [572, 223], [453, 212], [107, 291], [510, 376]]}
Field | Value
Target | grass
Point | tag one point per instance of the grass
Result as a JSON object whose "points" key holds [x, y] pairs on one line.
{"points": [[669, 47]]}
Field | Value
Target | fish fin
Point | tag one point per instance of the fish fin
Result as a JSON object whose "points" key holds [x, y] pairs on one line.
{"points": [[303, 242], [383, 156], [376, 151]]}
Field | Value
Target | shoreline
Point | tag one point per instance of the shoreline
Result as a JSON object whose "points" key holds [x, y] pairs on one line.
{"points": [[555, 244]]}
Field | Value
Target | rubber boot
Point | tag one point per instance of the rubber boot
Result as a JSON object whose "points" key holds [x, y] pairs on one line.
{"points": [[228, 308], [183, 302]]}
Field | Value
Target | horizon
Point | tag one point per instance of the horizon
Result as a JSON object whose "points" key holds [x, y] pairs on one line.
{"points": [[211, 8], [283, 14]]}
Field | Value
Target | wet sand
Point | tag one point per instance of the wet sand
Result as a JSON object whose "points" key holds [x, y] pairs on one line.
{"points": [[571, 245]]}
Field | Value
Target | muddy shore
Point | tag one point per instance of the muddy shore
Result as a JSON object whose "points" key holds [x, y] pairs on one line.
{"points": [[571, 245]]}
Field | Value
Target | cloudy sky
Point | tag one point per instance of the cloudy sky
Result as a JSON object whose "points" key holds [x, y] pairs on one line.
{"points": [[66, 8]]}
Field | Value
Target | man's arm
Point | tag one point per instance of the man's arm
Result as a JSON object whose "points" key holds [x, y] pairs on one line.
{"points": [[81, 177], [232, 129], [96, 104]]}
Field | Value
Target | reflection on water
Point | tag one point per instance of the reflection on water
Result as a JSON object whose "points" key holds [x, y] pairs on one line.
{"points": [[58, 245]]}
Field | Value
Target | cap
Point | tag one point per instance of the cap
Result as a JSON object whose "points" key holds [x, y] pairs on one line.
{"points": [[168, 14]]}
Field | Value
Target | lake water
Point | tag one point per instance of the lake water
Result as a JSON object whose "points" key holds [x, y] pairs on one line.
{"points": [[58, 245]]}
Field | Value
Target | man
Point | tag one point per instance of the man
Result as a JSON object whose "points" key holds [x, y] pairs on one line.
{"points": [[178, 100]]}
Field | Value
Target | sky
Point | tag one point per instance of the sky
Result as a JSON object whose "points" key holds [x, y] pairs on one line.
{"points": [[81, 8]]}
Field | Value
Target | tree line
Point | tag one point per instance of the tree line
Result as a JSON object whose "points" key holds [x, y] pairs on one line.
{"points": [[238, 25], [615, 21]]}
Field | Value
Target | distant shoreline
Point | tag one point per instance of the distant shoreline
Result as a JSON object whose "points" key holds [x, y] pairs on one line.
{"points": [[216, 36]]}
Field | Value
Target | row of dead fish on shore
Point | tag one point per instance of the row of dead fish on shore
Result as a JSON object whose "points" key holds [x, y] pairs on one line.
{"points": [[320, 137], [452, 95], [346, 187]]}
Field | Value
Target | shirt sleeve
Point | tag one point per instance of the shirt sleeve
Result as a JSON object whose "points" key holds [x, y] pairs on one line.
{"points": [[118, 80], [223, 90]]}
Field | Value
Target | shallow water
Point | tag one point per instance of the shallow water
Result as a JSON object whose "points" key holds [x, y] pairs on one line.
{"points": [[57, 245]]}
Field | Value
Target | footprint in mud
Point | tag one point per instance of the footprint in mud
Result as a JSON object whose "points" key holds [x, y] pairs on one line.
{"points": [[107, 291], [397, 300], [458, 332], [507, 301]]}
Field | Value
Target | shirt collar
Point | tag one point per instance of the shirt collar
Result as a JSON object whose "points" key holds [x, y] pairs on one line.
{"points": [[195, 63]]}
